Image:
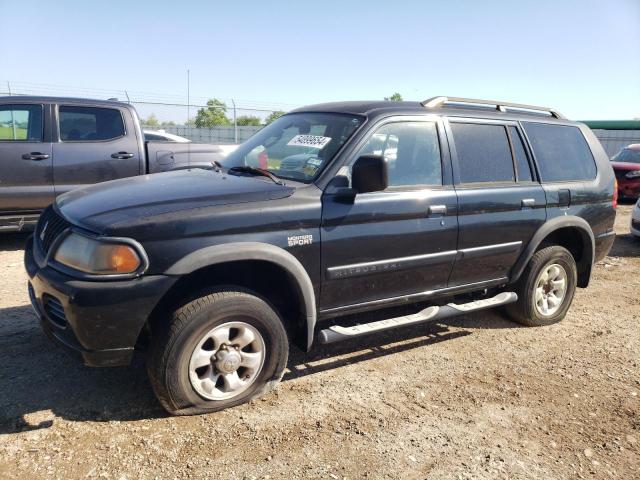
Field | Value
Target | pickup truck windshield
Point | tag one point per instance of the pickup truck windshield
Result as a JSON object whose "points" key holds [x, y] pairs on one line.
{"points": [[627, 155], [296, 146]]}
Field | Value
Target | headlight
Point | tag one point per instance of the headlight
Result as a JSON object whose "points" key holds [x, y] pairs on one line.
{"points": [[633, 174], [96, 257]]}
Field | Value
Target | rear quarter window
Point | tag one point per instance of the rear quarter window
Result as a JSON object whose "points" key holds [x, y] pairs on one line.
{"points": [[561, 151]]}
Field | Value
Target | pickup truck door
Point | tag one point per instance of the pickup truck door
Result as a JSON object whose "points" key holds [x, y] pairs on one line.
{"points": [[396, 245], [500, 202], [94, 144], [26, 174]]}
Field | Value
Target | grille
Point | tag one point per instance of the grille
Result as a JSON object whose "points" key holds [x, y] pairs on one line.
{"points": [[50, 226], [54, 310]]}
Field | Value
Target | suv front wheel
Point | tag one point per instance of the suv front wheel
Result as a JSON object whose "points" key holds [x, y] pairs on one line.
{"points": [[218, 351], [545, 289]]}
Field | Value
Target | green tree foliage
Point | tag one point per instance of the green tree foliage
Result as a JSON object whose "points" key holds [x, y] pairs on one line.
{"points": [[212, 115], [274, 116], [151, 121], [248, 121], [170, 123], [396, 97]]}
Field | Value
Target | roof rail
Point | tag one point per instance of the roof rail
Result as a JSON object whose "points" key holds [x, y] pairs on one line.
{"points": [[435, 102]]}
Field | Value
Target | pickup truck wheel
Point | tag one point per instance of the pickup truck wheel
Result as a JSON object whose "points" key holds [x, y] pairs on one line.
{"points": [[545, 289], [219, 350]]}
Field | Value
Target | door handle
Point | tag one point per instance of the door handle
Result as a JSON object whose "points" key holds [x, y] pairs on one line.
{"points": [[528, 202], [121, 155], [437, 210], [35, 156]]}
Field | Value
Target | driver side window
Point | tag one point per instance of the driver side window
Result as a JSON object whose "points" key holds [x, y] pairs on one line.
{"points": [[412, 152]]}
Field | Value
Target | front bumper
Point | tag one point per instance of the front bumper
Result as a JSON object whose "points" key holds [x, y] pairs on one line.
{"points": [[629, 188], [98, 321]]}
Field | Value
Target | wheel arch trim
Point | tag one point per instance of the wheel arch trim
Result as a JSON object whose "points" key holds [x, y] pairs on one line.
{"points": [[547, 229], [239, 251]]}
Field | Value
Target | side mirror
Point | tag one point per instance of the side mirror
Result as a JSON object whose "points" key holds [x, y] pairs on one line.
{"points": [[369, 174]]}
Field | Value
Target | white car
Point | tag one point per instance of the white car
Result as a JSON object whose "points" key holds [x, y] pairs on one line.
{"points": [[635, 220], [162, 136]]}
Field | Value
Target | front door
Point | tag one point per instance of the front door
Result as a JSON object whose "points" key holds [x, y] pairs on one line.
{"points": [[500, 203], [26, 175], [94, 144], [387, 246]]}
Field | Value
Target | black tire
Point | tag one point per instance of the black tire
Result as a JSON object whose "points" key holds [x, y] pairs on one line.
{"points": [[174, 342], [524, 311]]}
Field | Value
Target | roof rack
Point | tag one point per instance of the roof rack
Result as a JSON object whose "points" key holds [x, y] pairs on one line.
{"points": [[435, 102]]}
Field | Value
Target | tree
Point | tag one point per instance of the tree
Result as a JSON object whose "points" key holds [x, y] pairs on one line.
{"points": [[248, 121], [213, 114], [274, 116], [396, 97], [170, 123], [151, 121]]}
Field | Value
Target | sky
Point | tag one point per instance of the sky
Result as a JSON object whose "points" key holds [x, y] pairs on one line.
{"points": [[580, 57]]}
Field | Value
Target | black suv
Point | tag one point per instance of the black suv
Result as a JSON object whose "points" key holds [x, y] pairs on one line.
{"points": [[449, 206]]}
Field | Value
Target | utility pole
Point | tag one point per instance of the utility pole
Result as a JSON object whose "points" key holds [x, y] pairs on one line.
{"points": [[188, 97], [235, 122]]}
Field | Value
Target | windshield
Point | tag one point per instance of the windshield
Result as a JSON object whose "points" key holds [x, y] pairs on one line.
{"points": [[627, 155], [296, 146]]}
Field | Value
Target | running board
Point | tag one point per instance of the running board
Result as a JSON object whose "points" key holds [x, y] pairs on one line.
{"points": [[337, 333]]}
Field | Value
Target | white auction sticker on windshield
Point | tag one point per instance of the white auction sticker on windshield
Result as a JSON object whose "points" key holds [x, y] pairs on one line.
{"points": [[313, 141]]}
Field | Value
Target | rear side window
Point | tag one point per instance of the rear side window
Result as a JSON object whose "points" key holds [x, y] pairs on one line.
{"points": [[483, 152], [522, 163], [561, 151], [21, 123], [89, 123]]}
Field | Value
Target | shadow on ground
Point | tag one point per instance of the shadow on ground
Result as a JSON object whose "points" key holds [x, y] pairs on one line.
{"points": [[10, 242], [626, 245], [37, 376]]}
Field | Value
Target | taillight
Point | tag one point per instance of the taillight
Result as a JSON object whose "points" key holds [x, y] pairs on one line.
{"points": [[615, 193]]}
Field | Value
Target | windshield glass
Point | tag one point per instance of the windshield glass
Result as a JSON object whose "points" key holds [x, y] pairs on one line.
{"points": [[296, 146], [627, 155]]}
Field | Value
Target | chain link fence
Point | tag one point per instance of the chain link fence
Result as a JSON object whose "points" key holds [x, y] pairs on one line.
{"points": [[200, 119]]}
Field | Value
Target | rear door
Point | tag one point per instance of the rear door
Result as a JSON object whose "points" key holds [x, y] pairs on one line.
{"points": [[500, 202], [398, 244], [94, 144], [26, 175]]}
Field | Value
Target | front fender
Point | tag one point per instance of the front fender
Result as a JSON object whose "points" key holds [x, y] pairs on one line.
{"points": [[230, 252]]}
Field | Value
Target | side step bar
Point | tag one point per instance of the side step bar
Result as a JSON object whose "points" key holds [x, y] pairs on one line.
{"points": [[337, 333]]}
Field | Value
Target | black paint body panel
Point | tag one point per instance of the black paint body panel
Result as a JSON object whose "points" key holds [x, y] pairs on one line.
{"points": [[377, 249]]}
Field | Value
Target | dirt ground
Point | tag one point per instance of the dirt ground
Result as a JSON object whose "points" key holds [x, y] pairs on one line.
{"points": [[475, 397]]}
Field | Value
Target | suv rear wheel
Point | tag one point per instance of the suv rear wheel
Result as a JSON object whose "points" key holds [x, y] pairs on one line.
{"points": [[545, 289], [219, 350]]}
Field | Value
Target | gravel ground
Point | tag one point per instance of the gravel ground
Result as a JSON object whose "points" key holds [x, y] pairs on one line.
{"points": [[475, 397]]}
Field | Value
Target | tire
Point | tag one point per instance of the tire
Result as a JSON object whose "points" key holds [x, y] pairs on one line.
{"points": [[180, 345], [529, 309]]}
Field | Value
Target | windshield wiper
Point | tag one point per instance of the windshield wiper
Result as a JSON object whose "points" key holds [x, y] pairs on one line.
{"points": [[256, 171]]}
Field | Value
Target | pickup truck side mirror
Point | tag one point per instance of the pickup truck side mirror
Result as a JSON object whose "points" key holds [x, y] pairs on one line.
{"points": [[370, 174]]}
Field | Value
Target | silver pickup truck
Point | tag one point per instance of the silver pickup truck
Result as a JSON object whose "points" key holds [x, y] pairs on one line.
{"points": [[50, 145]]}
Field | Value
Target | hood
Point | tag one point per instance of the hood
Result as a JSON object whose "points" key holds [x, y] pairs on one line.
{"points": [[625, 166], [103, 206]]}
